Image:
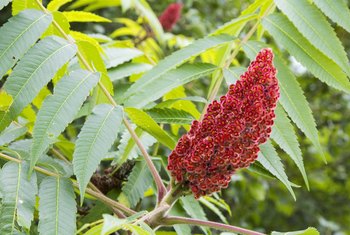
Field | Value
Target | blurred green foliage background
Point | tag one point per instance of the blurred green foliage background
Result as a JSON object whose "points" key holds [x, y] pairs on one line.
{"points": [[257, 201]]}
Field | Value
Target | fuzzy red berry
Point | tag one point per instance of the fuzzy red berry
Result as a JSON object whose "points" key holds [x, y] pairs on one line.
{"points": [[231, 131], [170, 16]]}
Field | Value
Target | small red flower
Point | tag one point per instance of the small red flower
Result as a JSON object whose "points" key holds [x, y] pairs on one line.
{"points": [[170, 16], [231, 131]]}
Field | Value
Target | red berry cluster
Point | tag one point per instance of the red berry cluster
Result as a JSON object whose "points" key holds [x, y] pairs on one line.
{"points": [[170, 16], [232, 129]]}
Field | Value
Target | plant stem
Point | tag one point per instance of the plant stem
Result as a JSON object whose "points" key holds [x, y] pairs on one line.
{"points": [[172, 220], [160, 186], [219, 78], [101, 197]]}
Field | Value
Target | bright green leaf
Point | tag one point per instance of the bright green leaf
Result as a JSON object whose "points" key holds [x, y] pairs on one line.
{"points": [[321, 66], [54, 5], [20, 5], [94, 140], [82, 16], [308, 231], [60, 109], [170, 116], [19, 34], [57, 207], [144, 121]]}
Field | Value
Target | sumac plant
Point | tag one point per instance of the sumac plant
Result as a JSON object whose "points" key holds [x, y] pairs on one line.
{"points": [[98, 133]]}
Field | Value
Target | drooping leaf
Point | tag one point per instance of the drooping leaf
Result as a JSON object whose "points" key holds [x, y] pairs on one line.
{"points": [[128, 69], [145, 122], [337, 11], [175, 60], [35, 70], [18, 197], [117, 56], [11, 133], [83, 16], [54, 5], [284, 135], [315, 27], [57, 207], [60, 109], [170, 116], [285, 33], [214, 209], [167, 82], [19, 34], [271, 161], [94, 140], [112, 224], [138, 182], [292, 96]]}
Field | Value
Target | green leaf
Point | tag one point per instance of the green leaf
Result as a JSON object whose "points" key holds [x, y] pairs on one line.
{"points": [[145, 122], [20, 5], [194, 209], [172, 116], [214, 209], [112, 224], [82, 16], [18, 197], [315, 27], [284, 135], [308, 231], [60, 109], [94, 140], [117, 56], [127, 148], [174, 60], [34, 71], [292, 96], [338, 11], [138, 182], [167, 82], [57, 207], [271, 161], [19, 34], [56, 165], [54, 5], [11, 133], [4, 3], [128, 69], [320, 65], [234, 26]]}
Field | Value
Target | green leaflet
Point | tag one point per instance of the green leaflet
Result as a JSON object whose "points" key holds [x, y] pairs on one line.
{"points": [[128, 69], [271, 161], [170, 116], [145, 122], [138, 182], [57, 207], [18, 197], [337, 11], [54, 5], [117, 56], [60, 109], [174, 60], [284, 135], [292, 96], [320, 65], [20, 5], [167, 82], [19, 34], [314, 26], [94, 140], [308, 231], [34, 71], [11, 133]]}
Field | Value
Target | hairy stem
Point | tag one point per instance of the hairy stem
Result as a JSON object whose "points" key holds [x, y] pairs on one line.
{"points": [[101, 197], [160, 186], [172, 220]]}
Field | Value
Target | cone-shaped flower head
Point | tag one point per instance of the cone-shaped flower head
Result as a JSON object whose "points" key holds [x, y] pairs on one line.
{"points": [[170, 16], [231, 131]]}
